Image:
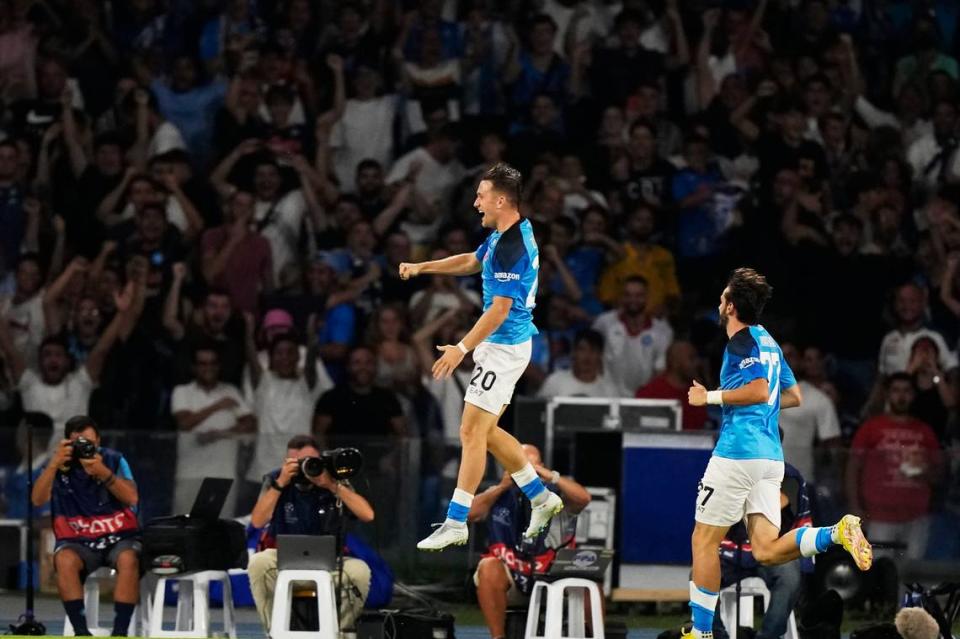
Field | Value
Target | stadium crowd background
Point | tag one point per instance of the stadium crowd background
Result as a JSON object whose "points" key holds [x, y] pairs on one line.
{"points": [[182, 182]]}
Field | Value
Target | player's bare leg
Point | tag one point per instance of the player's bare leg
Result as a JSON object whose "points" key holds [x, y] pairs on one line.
{"points": [[770, 548], [509, 452], [705, 583], [478, 434]]}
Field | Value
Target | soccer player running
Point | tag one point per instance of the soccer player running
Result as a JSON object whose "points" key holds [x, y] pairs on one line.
{"points": [[743, 477], [500, 339]]}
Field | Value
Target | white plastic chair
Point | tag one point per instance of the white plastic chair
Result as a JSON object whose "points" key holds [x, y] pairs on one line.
{"points": [[749, 588], [283, 604], [193, 605], [91, 604], [553, 594]]}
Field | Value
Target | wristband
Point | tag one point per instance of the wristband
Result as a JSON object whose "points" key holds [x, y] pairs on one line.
{"points": [[277, 487], [462, 347], [555, 477], [110, 481], [715, 397]]}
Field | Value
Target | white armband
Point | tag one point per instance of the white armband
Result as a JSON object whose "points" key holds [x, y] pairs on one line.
{"points": [[715, 397]]}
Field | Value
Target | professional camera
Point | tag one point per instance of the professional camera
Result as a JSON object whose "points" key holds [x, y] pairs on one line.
{"points": [[83, 448], [341, 463]]}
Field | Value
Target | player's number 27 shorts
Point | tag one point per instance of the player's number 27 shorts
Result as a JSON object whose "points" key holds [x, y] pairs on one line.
{"points": [[731, 489], [496, 370]]}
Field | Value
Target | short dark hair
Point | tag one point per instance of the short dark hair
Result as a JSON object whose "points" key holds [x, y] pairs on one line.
{"points": [[643, 123], [369, 163], [54, 340], [505, 179], [109, 138], [592, 338], [902, 376], [207, 346], [30, 256], [216, 291], [78, 424], [298, 442], [749, 293], [543, 18], [285, 336], [848, 219]]}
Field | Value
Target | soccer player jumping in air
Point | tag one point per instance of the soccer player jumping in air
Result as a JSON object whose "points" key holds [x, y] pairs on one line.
{"points": [[743, 477], [509, 260]]}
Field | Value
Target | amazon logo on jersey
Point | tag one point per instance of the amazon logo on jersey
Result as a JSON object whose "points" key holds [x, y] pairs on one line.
{"points": [[748, 361], [506, 277]]}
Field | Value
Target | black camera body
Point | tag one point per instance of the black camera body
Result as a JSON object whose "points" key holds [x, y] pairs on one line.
{"points": [[83, 448], [341, 463]]}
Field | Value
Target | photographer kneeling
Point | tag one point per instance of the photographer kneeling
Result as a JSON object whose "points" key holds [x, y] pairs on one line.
{"points": [[93, 495], [296, 504]]}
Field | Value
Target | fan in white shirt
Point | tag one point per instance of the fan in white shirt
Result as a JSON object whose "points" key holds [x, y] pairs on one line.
{"points": [[284, 397], [634, 344], [56, 389], [585, 377], [813, 422], [22, 313], [210, 416]]}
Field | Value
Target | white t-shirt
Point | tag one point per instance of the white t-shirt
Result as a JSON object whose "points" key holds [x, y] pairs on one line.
{"points": [[26, 324], [324, 383], [630, 361], [364, 131], [284, 408], [435, 181], [167, 137], [449, 395], [61, 401], [284, 228], [815, 419], [215, 459], [563, 383], [921, 155], [444, 301], [895, 350], [590, 26]]}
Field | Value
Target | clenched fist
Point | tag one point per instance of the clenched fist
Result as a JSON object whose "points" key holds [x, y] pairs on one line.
{"points": [[408, 270]]}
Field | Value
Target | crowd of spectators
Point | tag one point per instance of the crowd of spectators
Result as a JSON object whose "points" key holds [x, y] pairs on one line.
{"points": [[203, 206]]}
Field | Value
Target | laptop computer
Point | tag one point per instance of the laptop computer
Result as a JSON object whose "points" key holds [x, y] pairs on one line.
{"points": [[210, 498], [584, 563], [307, 552]]}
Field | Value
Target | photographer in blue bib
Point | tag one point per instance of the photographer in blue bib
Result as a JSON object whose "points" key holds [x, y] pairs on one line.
{"points": [[301, 498], [94, 500]]}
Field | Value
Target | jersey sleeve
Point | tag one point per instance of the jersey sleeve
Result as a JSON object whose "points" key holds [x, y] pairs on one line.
{"points": [[787, 378], [123, 470], [481, 250], [744, 355]]}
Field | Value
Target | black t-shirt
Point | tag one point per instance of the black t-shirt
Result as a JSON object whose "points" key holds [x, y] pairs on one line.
{"points": [[359, 414], [616, 73], [651, 184]]}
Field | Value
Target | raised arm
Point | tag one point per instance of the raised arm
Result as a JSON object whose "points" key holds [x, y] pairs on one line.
{"points": [[71, 138], [463, 264], [706, 86], [171, 305], [220, 174], [111, 202], [98, 355], [53, 293], [194, 219], [250, 348], [15, 359]]}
